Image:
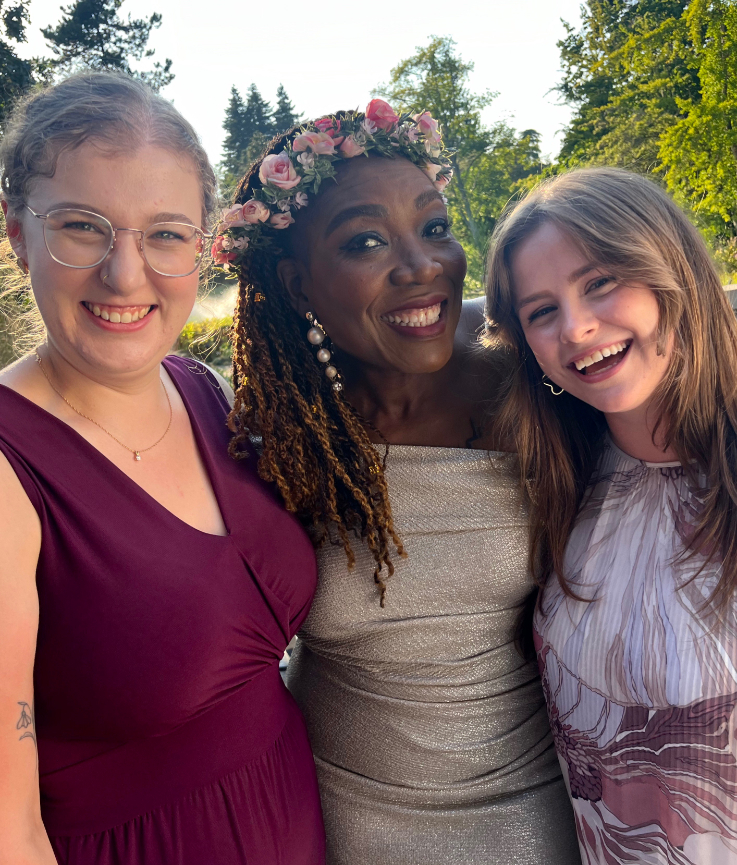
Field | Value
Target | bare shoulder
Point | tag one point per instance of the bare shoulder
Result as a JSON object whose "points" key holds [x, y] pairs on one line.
{"points": [[225, 385], [471, 323]]}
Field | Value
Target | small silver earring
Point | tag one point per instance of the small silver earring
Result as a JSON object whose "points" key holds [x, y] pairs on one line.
{"points": [[316, 336], [551, 385]]}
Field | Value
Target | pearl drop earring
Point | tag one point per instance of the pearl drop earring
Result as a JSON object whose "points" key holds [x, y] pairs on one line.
{"points": [[316, 336]]}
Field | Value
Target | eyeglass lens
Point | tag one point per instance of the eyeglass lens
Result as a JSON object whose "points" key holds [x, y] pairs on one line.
{"points": [[80, 239]]}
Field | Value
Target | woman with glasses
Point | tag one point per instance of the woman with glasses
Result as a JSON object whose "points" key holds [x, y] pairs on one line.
{"points": [[149, 583]]}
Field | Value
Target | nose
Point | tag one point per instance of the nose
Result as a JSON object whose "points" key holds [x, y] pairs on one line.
{"points": [[125, 266], [416, 266], [578, 323]]}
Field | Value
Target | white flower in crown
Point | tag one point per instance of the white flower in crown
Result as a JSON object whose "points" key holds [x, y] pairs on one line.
{"points": [[307, 160]]}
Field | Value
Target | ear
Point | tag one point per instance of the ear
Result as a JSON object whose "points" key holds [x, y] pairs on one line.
{"points": [[15, 235], [293, 277]]}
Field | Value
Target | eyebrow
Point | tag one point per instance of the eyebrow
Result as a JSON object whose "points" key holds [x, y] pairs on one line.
{"points": [[376, 211], [573, 277], [427, 197]]}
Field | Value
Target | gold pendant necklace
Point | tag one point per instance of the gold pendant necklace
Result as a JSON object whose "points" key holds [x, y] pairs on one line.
{"points": [[136, 453]]}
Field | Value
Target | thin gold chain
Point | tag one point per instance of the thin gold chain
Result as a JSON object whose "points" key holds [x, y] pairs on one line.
{"points": [[136, 452]]}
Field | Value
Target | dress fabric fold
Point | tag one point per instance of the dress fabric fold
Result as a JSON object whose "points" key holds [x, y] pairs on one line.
{"points": [[429, 729]]}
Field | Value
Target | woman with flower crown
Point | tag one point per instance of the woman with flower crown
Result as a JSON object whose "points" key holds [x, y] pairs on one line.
{"points": [[428, 727]]}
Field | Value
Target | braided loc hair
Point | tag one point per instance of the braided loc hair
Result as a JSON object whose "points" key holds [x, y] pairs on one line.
{"points": [[315, 446]]}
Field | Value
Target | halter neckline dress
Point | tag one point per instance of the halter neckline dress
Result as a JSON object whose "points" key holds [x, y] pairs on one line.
{"points": [[165, 733]]}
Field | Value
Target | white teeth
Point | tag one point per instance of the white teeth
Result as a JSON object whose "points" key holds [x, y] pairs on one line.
{"points": [[598, 355], [118, 317], [415, 317]]}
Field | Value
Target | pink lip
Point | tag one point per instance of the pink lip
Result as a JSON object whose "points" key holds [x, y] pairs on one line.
{"points": [[604, 374], [419, 303], [599, 347], [120, 327]]}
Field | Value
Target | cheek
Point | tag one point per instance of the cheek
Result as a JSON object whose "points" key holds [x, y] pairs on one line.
{"points": [[542, 345]]}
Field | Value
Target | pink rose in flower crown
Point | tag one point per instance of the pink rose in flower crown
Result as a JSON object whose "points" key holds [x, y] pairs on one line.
{"points": [[350, 148], [428, 126], [327, 125], [317, 142], [232, 217], [220, 255], [277, 170], [442, 181], [432, 170], [255, 211], [381, 114], [281, 220]]}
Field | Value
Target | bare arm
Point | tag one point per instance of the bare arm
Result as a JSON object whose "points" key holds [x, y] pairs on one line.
{"points": [[23, 839]]}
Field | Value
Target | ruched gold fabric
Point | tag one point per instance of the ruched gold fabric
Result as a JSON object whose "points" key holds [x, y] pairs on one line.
{"points": [[430, 732]]}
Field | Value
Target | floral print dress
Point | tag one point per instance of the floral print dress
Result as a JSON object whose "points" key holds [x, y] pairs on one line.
{"points": [[641, 682]]}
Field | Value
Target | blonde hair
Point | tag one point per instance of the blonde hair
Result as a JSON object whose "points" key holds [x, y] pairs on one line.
{"points": [[628, 224]]}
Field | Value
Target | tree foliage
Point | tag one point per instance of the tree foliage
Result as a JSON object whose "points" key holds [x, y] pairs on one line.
{"points": [[699, 153], [488, 162], [16, 74], [92, 34], [248, 125], [653, 84]]}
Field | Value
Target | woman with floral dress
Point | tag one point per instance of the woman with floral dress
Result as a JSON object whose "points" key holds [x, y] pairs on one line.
{"points": [[624, 408]]}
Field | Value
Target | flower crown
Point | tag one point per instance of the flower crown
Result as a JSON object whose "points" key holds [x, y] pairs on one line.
{"points": [[290, 177]]}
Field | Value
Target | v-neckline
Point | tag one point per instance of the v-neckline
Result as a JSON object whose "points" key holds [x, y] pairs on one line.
{"points": [[200, 442]]}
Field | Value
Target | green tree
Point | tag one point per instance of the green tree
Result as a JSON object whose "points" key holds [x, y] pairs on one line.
{"points": [[624, 73], [16, 75], [488, 162], [284, 116], [91, 34], [699, 153], [236, 142], [248, 125]]}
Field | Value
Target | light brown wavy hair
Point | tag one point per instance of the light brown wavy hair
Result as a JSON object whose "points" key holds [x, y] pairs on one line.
{"points": [[315, 446], [627, 224]]}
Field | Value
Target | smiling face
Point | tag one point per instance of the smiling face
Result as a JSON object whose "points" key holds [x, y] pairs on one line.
{"points": [[377, 264], [591, 335], [128, 321]]}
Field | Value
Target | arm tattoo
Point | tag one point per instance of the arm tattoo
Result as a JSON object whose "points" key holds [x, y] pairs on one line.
{"points": [[26, 722]]}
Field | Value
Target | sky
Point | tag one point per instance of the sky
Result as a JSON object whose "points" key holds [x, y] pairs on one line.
{"points": [[331, 54]]}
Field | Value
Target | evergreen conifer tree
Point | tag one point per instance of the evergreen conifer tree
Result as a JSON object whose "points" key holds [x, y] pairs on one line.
{"points": [[284, 116], [92, 34], [234, 146]]}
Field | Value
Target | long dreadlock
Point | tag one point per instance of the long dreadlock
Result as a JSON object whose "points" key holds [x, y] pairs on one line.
{"points": [[315, 446]]}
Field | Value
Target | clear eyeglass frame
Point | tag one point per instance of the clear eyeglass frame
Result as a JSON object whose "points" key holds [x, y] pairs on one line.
{"points": [[143, 233]]}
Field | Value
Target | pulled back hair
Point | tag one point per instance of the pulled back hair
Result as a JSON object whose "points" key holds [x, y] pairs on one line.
{"points": [[627, 224], [107, 107], [315, 446]]}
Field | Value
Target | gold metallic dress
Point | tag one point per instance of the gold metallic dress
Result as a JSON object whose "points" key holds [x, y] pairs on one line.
{"points": [[429, 731]]}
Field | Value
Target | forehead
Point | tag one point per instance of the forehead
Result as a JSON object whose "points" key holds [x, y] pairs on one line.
{"points": [[372, 180], [548, 255], [146, 179]]}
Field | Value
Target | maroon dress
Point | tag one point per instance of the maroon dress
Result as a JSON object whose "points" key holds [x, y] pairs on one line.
{"points": [[165, 734]]}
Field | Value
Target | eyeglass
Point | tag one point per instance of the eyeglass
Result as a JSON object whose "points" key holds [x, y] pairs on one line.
{"points": [[82, 239]]}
